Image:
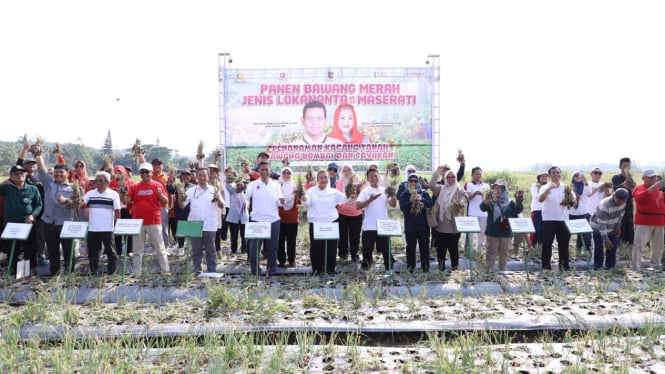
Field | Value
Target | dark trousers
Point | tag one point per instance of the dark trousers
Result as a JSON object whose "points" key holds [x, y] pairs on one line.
{"points": [[627, 227], [269, 246], [369, 239], [173, 227], [95, 241], [537, 219], [317, 253], [53, 242], [225, 225], [124, 213], [287, 242], [447, 242], [235, 229], [422, 238], [349, 235], [601, 255], [552, 229]]}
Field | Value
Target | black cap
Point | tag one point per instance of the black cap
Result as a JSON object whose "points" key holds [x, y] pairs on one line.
{"points": [[157, 161], [186, 171], [263, 154], [128, 168], [29, 161], [16, 168]]}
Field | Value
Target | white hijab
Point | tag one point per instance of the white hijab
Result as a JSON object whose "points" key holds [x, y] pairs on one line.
{"points": [[287, 189], [446, 195]]}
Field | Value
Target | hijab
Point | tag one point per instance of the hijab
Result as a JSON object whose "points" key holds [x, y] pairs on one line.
{"points": [[287, 189], [501, 203], [578, 187], [446, 196]]}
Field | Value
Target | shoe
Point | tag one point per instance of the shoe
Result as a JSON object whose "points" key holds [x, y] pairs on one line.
{"points": [[354, 259], [292, 264], [43, 261], [281, 265]]}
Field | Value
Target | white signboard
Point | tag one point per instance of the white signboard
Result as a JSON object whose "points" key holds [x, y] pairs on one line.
{"points": [[16, 231], [326, 230], [578, 226], [74, 230], [521, 225], [467, 224], [257, 230], [388, 227], [128, 226]]}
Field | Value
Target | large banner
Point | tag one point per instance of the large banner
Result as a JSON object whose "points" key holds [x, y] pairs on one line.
{"points": [[354, 116]]}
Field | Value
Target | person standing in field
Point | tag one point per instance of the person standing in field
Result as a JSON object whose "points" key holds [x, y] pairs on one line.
{"points": [[537, 208], [452, 201], [556, 202], [649, 219], [375, 203], [205, 202], [266, 197], [321, 202], [475, 190], [625, 180], [147, 198], [103, 209], [413, 202]]}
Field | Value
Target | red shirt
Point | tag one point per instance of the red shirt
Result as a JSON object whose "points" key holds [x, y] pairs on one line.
{"points": [[291, 215], [146, 203], [649, 207]]}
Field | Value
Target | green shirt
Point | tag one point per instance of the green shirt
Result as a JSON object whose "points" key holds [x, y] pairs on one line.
{"points": [[20, 202]]}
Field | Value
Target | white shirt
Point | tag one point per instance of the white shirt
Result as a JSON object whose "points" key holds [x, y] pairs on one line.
{"points": [[377, 209], [535, 204], [201, 206], [552, 208], [594, 197], [265, 200], [101, 209], [582, 203], [322, 204], [474, 202]]}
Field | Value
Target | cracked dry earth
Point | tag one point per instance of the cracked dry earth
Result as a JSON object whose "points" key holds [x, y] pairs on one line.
{"points": [[607, 321]]}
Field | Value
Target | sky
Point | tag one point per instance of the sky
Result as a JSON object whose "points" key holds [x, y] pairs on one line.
{"points": [[522, 82]]}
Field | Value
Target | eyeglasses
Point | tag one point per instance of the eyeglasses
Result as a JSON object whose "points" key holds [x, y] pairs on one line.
{"points": [[410, 171], [595, 172], [451, 177], [100, 180], [413, 181], [286, 172], [144, 172], [79, 166]]}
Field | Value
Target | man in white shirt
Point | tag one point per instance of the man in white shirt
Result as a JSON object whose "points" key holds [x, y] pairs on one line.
{"points": [[555, 216], [475, 190], [205, 203], [266, 196], [103, 209], [375, 203]]}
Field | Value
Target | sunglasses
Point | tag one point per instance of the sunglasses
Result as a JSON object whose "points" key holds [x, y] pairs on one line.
{"points": [[144, 172]]}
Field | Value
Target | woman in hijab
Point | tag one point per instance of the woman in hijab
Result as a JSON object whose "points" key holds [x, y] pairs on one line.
{"points": [[451, 202], [498, 233], [289, 219]]}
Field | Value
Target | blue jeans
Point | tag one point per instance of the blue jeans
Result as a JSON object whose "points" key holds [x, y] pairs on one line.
{"points": [[599, 253]]}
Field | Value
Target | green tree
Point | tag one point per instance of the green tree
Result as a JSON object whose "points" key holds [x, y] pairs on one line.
{"points": [[107, 148]]}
